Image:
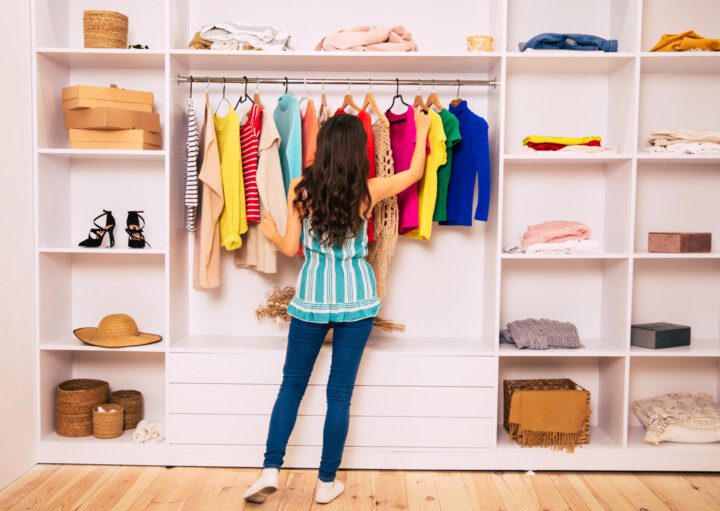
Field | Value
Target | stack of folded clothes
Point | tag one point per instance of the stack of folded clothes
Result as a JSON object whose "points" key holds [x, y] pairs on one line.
{"points": [[679, 417], [684, 142], [556, 237], [686, 41], [541, 334], [238, 36], [538, 144], [576, 42]]}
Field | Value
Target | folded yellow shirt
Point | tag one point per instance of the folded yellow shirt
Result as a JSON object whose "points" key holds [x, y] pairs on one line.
{"points": [[689, 40], [540, 139]]}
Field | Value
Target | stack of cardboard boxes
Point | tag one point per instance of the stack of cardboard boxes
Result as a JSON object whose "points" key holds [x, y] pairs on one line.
{"points": [[110, 118]]}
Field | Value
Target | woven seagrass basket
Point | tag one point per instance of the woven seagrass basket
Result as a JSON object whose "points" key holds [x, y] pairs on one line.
{"points": [[132, 402], [105, 29], [108, 424], [510, 386], [75, 400]]}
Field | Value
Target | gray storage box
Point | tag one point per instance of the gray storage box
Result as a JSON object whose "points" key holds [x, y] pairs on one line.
{"points": [[659, 335]]}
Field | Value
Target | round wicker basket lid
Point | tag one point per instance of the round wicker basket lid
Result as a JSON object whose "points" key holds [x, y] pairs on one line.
{"points": [[115, 331]]}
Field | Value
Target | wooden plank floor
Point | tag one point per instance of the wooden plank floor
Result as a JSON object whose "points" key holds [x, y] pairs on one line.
{"points": [[99, 488]]}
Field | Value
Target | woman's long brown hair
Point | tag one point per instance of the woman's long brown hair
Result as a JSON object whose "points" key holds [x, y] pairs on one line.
{"points": [[334, 192]]}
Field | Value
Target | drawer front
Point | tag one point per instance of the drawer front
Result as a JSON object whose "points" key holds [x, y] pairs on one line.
{"points": [[364, 431], [367, 400], [376, 369]]}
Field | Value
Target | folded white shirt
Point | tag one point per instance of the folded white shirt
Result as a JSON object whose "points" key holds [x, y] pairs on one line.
{"points": [[564, 247], [571, 149]]}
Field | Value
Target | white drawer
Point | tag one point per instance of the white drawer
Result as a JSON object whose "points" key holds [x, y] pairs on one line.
{"points": [[367, 400], [364, 431], [376, 369]]}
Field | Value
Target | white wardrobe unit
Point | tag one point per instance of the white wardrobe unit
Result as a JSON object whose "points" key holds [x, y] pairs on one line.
{"points": [[431, 397]]}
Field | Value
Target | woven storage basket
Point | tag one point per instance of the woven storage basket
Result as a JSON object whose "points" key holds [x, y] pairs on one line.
{"points": [[75, 400], [108, 424], [510, 386], [479, 43], [105, 29], [132, 402]]}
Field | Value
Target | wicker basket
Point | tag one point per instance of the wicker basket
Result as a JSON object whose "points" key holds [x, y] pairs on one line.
{"points": [[132, 402], [108, 424], [479, 43], [510, 386], [105, 29], [75, 400]]}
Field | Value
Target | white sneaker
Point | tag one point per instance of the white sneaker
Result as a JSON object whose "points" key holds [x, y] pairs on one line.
{"points": [[265, 486], [327, 492]]}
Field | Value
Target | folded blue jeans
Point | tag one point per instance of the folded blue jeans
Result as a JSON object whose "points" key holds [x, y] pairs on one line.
{"points": [[304, 343], [580, 42]]}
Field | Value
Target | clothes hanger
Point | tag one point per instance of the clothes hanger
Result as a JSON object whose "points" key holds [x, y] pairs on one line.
{"points": [[370, 102], [244, 97], [323, 97], [224, 99], [419, 100], [256, 95], [457, 100], [395, 97], [348, 100], [191, 84], [433, 100], [304, 99]]}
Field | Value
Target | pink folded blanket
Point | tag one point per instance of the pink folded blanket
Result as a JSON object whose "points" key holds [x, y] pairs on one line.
{"points": [[554, 232], [367, 38]]}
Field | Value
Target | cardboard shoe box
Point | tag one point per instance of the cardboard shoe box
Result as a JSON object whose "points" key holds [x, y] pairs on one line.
{"points": [[103, 118], [114, 139], [659, 335], [679, 242], [87, 96]]}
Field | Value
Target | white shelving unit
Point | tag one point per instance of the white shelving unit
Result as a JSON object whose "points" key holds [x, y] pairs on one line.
{"points": [[430, 397]]}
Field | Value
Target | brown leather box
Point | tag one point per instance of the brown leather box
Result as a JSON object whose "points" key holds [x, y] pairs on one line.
{"points": [[679, 242]]}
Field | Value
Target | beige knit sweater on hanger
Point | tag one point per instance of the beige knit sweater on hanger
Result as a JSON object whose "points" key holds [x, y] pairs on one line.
{"points": [[257, 251]]}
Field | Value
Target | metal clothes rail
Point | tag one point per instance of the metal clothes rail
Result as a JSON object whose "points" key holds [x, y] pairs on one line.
{"points": [[335, 81]]}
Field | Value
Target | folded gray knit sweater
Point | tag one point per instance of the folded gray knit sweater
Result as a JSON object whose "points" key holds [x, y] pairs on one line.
{"points": [[541, 334]]}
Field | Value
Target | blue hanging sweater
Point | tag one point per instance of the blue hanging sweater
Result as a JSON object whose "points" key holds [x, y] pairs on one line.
{"points": [[471, 159], [287, 120]]}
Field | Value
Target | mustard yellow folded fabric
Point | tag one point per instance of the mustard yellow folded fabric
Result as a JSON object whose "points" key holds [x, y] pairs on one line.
{"points": [[540, 139], [689, 40]]}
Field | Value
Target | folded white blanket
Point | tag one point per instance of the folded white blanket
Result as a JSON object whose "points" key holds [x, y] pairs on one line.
{"points": [[697, 411], [685, 148], [664, 137], [565, 247], [571, 149], [149, 432], [235, 35]]}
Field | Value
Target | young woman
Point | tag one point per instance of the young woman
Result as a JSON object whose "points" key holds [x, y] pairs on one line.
{"points": [[328, 210]]}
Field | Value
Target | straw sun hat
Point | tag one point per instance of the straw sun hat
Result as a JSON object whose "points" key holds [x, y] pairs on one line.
{"points": [[115, 331]]}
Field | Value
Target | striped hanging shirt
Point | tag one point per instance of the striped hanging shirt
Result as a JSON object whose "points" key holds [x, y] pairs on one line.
{"points": [[249, 139], [336, 283], [191, 178]]}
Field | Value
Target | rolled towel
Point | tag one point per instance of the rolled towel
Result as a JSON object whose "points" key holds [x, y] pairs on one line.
{"points": [[148, 432]]}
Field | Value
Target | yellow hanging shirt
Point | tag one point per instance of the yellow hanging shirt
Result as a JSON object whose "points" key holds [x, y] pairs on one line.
{"points": [[233, 219], [427, 192]]}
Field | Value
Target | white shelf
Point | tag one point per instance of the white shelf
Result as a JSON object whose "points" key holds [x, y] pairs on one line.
{"points": [[593, 348], [683, 159], [550, 257], [568, 61], [130, 154], [636, 441], [598, 440], [303, 61], [664, 255], [102, 251], [680, 62], [105, 58], [71, 343], [697, 348], [552, 157], [389, 345]]}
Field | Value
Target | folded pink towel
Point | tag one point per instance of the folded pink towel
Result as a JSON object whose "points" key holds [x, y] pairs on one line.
{"points": [[554, 232], [367, 38]]}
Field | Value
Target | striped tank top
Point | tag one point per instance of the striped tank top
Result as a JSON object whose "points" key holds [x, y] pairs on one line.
{"points": [[336, 283]]}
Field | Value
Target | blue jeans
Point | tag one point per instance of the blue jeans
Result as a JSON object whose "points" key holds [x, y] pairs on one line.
{"points": [[304, 344], [581, 42]]}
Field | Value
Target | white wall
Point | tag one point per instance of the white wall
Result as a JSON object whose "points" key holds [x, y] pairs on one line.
{"points": [[17, 359]]}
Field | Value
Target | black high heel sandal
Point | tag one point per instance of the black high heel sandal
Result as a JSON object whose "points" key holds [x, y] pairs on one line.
{"points": [[135, 226], [97, 234]]}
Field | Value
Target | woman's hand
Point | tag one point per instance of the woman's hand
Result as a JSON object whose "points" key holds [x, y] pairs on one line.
{"points": [[422, 121], [268, 226]]}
